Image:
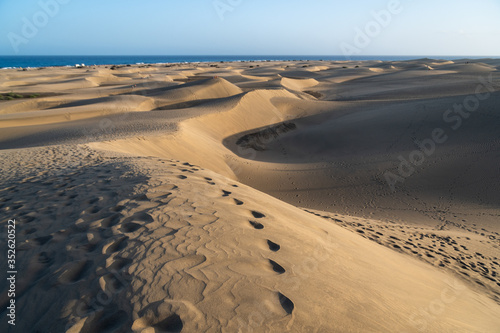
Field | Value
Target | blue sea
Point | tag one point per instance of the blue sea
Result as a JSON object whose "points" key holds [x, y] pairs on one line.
{"points": [[49, 61]]}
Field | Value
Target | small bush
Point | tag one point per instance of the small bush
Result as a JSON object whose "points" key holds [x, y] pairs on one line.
{"points": [[13, 95], [10, 96]]}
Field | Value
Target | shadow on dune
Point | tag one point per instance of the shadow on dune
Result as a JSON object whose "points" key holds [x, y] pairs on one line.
{"points": [[382, 130], [58, 261], [356, 151]]}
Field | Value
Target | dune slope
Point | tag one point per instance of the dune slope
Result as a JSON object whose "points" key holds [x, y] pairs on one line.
{"points": [[154, 243]]}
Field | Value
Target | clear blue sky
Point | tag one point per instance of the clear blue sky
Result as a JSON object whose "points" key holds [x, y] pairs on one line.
{"points": [[248, 27]]}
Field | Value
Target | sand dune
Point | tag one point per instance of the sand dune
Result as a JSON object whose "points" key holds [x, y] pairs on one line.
{"points": [[477, 67], [79, 110], [252, 197], [299, 85], [198, 90], [200, 139], [242, 260]]}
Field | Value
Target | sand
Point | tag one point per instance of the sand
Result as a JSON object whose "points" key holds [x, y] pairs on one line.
{"points": [[254, 197]]}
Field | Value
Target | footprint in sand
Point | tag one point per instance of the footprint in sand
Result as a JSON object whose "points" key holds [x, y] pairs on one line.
{"points": [[92, 201], [108, 320], [110, 283], [93, 210], [277, 267], [111, 220], [143, 217], [115, 246], [173, 323], [181, 177], [209, 181], [16, 206], [170, 324], [238, 202], [28, 219], [28, 231], [225, 193], [273, 246], [117, 209], [88, 247], [130, 224], [256, 225], [42, 240], [119, 263], [257, 215], [130, 227], [286, 303], [44, 258], [74, 272], [141, 197]]}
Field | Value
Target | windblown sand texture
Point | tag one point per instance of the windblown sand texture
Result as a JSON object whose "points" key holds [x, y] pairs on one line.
{"points": [[252, 197]]}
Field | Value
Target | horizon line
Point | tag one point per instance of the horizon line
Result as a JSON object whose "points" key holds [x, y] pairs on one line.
{"points": [[241, 55]]}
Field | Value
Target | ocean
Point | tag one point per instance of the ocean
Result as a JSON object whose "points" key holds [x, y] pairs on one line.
{"points": [[48, 61]]}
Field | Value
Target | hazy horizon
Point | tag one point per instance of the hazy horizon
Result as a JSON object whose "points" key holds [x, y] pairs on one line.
{"points": [[476, 56]]}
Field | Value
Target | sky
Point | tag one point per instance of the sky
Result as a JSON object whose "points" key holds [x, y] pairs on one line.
{"points": [[250, 27]]}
